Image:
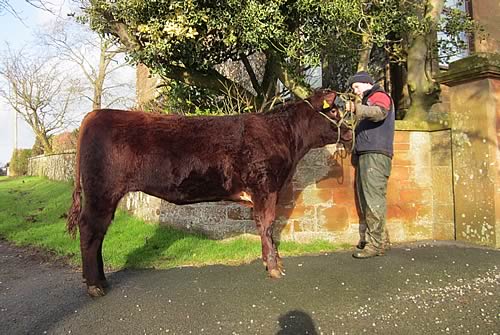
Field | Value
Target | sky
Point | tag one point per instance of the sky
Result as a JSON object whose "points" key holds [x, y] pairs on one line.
{"points": [[14, 32], [19, 33]]}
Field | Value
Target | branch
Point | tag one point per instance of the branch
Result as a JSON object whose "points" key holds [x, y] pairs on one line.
{"points": [[125, 37], [111, 87], [251, 73], [210, 79], [364, 53], [269, 79], [121, 100], [287, 78], [40, 4]]}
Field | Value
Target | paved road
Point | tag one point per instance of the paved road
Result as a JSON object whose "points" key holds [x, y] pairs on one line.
{"points": [[425, 288]]}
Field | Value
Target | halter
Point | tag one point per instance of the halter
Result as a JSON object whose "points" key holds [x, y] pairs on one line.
{"points": [[348, 119]]}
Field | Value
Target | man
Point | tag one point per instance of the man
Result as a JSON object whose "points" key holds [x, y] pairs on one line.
{"points": [[372, 156]]}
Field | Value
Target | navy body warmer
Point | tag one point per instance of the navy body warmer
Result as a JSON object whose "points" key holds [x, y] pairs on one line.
{"points": [[378, 136]]}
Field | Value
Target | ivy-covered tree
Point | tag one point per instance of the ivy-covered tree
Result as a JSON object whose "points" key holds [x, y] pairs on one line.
{"points": [[188, 40]]}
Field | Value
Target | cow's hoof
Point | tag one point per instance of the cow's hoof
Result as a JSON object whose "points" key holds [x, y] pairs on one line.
{"points": [[95, 291], [281, 267], [104, 283], [275, 273]]}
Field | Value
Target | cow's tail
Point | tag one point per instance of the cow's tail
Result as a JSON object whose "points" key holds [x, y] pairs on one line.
{"points": [[76, 205]]}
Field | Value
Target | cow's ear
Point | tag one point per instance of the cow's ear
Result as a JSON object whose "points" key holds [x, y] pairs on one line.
{"points": [[329, 100]]}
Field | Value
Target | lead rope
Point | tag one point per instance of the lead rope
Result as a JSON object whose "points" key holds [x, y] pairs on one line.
{"points": [[346, 118], [349, 120]]}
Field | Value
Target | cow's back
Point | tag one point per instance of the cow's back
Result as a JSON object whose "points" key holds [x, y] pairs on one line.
{"points": [[173, 157]]}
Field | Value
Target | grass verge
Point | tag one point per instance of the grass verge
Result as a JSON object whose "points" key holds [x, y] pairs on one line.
{"points": [[32, 213]]}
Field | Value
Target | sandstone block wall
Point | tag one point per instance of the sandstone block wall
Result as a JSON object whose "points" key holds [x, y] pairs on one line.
{"points": [[319, 203]]}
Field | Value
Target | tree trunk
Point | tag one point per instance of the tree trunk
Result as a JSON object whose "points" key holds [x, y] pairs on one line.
{"points": [[424, 91], [105, 59], [43, 139], [269, 80], [399, 89], [364, 53], [99, 82]]}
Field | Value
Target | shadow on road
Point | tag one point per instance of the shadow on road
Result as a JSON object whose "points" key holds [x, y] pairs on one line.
{"points": [[296, 322]]}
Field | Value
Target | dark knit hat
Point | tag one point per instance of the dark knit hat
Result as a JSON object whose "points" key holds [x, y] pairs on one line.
{"points": [[360, 77]]}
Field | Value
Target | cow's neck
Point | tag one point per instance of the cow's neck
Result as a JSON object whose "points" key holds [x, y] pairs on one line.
{"points": [[308, 127]]}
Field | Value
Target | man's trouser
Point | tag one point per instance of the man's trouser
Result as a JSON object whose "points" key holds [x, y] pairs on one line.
{"points": [[372, 173]]}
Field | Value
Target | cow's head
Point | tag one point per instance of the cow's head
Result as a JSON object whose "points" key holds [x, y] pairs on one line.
{"points": [[325, 102]]}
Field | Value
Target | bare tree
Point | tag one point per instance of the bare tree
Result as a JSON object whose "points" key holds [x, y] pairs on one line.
{"points": [[96, 57], [37, 91], [7, 7]]}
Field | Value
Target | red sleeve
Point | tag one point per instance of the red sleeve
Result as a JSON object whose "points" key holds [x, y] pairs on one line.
{"points": [[380, 99]]}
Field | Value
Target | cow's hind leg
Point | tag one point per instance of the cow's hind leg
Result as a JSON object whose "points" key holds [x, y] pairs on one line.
{"points": [[94, 223], [264, 213], [100, 267]]}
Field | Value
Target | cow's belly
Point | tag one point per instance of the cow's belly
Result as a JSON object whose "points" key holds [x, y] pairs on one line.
{"points": [[208, 187]]}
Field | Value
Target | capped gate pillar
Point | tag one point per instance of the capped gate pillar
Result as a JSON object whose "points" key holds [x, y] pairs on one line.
{"points": [[475, 121]]}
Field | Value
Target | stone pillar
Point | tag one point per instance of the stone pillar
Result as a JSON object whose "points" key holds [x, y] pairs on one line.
{"points": [[487, 13], [475, 121], [146, 85]]}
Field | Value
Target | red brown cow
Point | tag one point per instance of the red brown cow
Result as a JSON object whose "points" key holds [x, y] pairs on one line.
{"points": [[186, 160]]}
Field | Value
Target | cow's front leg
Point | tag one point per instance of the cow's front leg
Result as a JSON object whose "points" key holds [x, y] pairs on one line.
{"points": [[264, 213], [279, 261]]}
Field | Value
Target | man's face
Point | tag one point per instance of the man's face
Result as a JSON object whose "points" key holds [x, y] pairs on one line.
{"points": [[360, 88]]}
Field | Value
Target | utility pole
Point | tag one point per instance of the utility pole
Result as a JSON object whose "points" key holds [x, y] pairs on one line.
{"points": [[15, 130]]}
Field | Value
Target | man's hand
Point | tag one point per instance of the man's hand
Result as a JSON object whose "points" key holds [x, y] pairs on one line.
{"points": [[350, 106]]}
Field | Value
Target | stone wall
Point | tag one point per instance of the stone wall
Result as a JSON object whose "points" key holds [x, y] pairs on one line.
{"points": [[55, 167], [319, 203], [420, 192]]}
